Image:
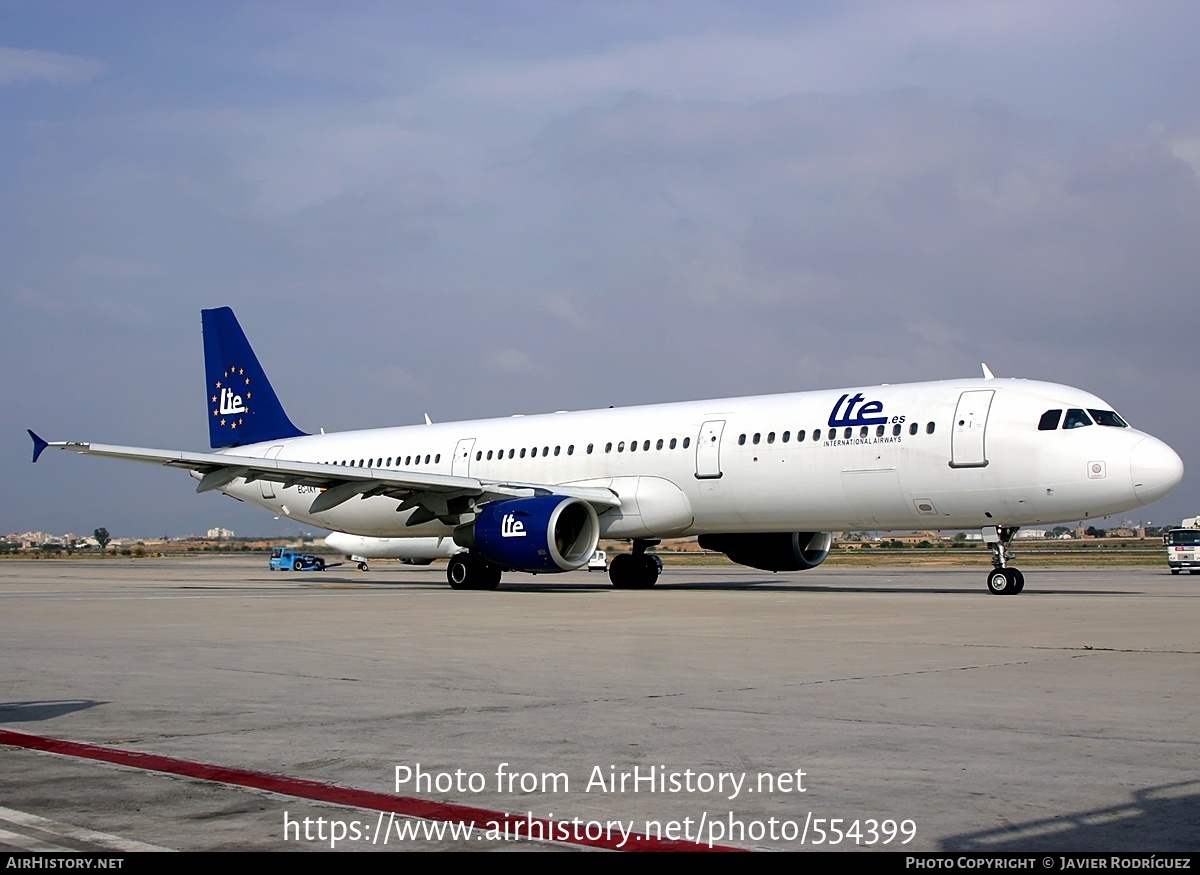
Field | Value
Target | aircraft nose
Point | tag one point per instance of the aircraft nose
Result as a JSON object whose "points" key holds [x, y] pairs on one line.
{"points": [[1156, 469]]}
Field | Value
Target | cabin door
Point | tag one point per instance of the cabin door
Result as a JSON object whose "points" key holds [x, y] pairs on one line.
{"points": [[267, 487], [461, 466], [968, 449], [708, 450]]}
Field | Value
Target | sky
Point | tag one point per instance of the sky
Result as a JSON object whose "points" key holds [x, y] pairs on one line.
{"points": [[474, 209]]}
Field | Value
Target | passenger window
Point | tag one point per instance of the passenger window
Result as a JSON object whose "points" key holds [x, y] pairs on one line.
{"points": [[816, 434], [896, 429], [929, 428], [912, 429], [862, 432], [659, 445], [621, 447], [437, 458], [633, 446], [1076, 419], [645, 446], [608, 447], [786, 436], [512, 453], [846, 434], [673, 443], [557, 450], [741, 440], [879, 431], [1049, 420], [800, 436], [757, 438], [687, 442]]}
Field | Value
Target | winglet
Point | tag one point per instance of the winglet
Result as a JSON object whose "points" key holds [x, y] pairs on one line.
{"points": [[38, 444], [987, 372]]}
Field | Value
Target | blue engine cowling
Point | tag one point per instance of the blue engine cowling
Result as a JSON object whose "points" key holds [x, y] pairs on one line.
{"points": [[546, 534], [772, 551]]}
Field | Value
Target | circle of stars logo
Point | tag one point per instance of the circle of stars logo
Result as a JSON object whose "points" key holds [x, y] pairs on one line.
{"points": [[231, 398]]}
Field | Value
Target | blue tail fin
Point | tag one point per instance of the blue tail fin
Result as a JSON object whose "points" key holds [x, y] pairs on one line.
{"points": [[242, 406]]}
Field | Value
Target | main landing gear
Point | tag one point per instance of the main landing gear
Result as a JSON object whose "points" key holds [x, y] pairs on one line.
{"points": [[1002, 579], [636, 570], [470, 571]]}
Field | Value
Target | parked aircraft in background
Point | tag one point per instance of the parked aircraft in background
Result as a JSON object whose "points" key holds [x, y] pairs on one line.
{"points": [[763, 479], [409, 551]]}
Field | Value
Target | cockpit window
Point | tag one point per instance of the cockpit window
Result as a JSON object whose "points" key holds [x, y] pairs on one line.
{"points": [[1108, 417], [1049, 421], [1076, 418]]}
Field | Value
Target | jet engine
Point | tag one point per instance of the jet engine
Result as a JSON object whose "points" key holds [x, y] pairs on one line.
{"points": [[772, 551], [546, 534]]}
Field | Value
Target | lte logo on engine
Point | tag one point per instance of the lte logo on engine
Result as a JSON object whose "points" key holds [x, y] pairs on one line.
{"points": [[511, 527]]}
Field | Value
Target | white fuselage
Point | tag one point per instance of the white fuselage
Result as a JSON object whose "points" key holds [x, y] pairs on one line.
{"points": [[953, 454]]}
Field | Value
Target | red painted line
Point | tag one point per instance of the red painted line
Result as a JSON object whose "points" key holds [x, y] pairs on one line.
{"points": [[559, 831]]}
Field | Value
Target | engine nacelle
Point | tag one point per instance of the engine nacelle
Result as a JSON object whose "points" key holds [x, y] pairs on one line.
{"points": [[546, 534], [772, 551]]}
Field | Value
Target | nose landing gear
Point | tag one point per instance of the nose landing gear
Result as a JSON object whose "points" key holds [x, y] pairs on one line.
{"points": [[1002, 579]]}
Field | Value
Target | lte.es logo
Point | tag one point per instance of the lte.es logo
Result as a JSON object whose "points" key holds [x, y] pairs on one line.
{"points": [[511, 527]]}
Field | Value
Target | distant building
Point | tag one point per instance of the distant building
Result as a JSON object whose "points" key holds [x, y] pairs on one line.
{"points": [[220, 534]]}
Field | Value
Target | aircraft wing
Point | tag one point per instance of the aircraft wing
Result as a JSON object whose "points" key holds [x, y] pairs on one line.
{"points": [[437, 496]]}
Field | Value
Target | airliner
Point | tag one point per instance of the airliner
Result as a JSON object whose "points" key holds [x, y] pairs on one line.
{"points": [[409, 551], [764, 480]]}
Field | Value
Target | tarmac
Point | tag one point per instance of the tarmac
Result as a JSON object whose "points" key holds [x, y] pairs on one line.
{"points": [[210, 704]]}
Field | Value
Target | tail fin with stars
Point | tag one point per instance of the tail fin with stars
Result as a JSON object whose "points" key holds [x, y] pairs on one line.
{"points": [[242, 406]]}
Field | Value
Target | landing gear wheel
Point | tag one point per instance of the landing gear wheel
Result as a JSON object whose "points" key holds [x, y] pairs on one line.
{"points": [[621, 571], [1005, 581], [468, 571], [630, 571], [648, 568], [362, 566]]}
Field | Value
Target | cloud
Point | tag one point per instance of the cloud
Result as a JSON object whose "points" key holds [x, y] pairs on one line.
{"points": [[510, 361], [30, 65]]}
